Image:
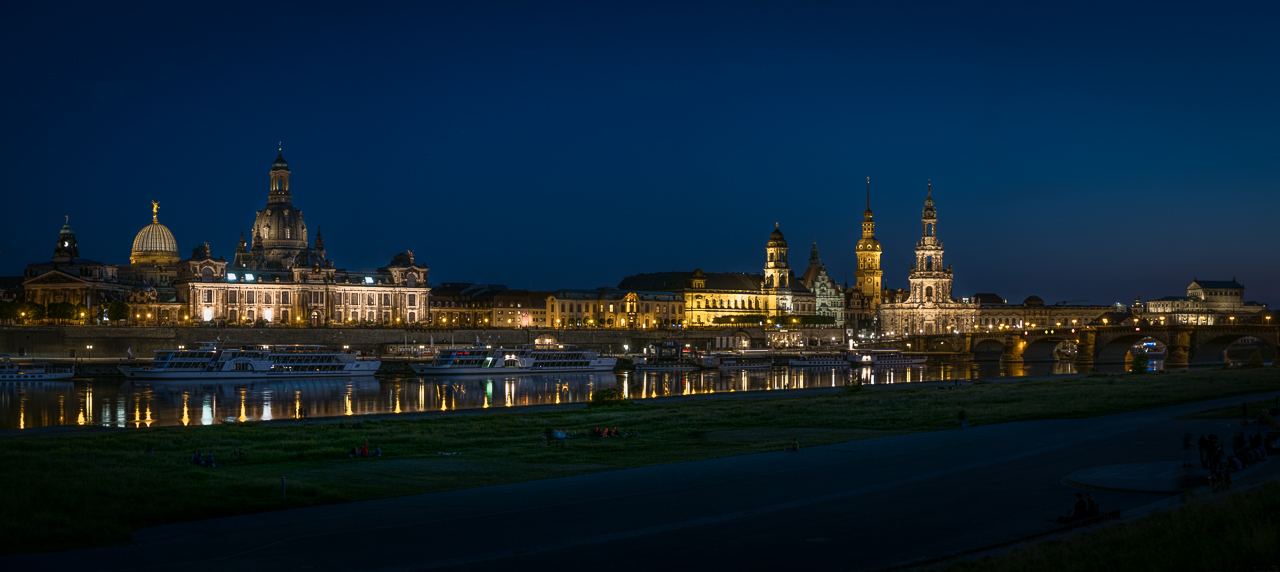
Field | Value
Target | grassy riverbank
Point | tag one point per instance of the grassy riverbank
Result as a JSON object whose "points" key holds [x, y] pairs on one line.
{"points": [[1237, 532], [83, 490]]}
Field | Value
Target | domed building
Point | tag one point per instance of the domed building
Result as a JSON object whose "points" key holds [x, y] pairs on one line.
{"points": [[154, 244], [279, 233], [281, 275], [152, 270]]}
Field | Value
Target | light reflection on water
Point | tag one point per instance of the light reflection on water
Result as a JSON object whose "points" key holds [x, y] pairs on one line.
{"points": [[113, 402]]}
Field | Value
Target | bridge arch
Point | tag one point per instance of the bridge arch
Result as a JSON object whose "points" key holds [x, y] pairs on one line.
{"points": [[988, 349], [1210, 349], [1042, 349], [1117, 348], [945, 344]]}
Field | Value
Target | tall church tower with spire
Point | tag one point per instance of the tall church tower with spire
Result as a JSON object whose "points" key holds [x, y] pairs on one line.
{"points": [[930, 280], [867, 279], [777, 272]]}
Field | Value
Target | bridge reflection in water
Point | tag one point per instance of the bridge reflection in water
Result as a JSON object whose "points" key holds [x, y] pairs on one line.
{"points": [[112, 402]]}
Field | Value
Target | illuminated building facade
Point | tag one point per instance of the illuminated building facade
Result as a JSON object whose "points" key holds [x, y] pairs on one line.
{"points": [[868, 277], [709, 296], [929, 307], [1208, 302], [825, 294], [614, 308]]}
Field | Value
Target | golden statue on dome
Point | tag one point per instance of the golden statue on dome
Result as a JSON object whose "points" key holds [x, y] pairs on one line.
{"points": [[155, 206]]}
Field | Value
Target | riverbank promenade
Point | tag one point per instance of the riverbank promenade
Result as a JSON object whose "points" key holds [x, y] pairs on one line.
{"points": [[862, 505]]}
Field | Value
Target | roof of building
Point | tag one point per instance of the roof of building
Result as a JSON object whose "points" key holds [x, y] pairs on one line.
{"points": [[155, 237], [811, 275], [1113, 318], [1033, 300], [615, 294], [659, 281], [988, 298], [1217, 283], [280, 164], [776, 238]]}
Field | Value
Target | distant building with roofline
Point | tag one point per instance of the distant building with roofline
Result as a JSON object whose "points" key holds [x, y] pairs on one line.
{"points": [[1208, 302]]}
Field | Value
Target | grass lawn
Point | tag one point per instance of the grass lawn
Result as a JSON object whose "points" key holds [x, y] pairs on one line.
{"points": [[1236, 532], [94, 489]]}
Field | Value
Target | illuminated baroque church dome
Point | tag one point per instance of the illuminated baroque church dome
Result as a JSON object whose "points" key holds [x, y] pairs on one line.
{"points": [[154, 244], [279, 236]]}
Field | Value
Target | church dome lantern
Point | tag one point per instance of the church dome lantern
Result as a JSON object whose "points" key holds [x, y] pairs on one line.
{"points": [[154, 244], [775, 238]]}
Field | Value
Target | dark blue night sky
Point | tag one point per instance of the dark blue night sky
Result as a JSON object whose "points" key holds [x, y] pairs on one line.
{"points": [[1085, 152]]}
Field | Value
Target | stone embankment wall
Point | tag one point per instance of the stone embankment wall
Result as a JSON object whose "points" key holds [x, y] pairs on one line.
{"points": [[61, 341]]}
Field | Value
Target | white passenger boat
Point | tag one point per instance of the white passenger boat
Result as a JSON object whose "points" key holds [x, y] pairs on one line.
{"points": [[660, 363], [528, 359], [11, 371], [276, 361], [820, 361], [746, 362], [886, 358]]}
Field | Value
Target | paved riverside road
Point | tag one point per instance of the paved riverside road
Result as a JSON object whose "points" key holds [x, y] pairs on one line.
{"points": [[858, 505]]}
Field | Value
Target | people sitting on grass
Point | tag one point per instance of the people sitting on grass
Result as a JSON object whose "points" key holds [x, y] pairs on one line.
{"points": [[209, 462], [1091, 506], [195, 458], [1080, 509]]}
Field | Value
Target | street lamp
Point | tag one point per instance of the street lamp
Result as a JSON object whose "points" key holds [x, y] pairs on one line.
{"points": [[90, 348]]}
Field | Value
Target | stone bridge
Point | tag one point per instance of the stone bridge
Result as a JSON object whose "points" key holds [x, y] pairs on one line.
{"points": [[1187, 345]]}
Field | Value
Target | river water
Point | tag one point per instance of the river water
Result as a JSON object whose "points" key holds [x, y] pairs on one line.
{"points": [[117, 402]]}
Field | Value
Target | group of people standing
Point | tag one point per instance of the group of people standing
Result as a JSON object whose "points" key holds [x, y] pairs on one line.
{"points": [[1247, 451]]}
